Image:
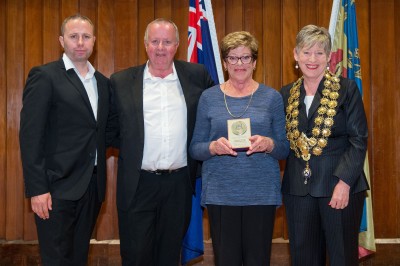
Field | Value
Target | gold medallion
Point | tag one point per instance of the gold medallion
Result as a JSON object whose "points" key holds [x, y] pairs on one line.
{"points": [[303, 146]]}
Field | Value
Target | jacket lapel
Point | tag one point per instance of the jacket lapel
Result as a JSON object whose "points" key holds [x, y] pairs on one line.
{"points": [[135, 95], [102, 90], [315, 104], [77, 84], [184, 79]]}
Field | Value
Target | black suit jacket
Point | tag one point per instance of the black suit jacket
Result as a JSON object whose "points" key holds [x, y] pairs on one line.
{"points": [[59, 134], [127, 87], [343, 157]]}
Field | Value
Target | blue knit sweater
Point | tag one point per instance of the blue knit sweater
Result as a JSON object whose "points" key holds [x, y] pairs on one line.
{"points": [[241, 180]]}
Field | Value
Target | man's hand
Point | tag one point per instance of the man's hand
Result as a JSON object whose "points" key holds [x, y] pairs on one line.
{"points": [[41, 205]]}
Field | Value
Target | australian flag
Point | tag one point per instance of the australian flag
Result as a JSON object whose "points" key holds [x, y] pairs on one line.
{"points": [[202, 38], [202, 49]]}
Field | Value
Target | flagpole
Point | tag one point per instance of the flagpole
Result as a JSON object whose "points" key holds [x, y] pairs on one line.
{"points": [[334, 16]]}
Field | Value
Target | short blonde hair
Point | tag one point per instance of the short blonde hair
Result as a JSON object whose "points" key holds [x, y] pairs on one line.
{"points": [[310, 35], [239, 38]]}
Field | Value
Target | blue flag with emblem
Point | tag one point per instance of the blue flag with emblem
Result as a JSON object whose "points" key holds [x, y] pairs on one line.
{"points": [[345, 61]]}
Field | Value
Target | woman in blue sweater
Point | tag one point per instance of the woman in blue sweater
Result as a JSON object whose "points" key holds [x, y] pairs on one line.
{"points": [[241, 187]]}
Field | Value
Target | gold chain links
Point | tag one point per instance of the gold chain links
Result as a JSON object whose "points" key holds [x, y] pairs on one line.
{"points": [[299, 142]]}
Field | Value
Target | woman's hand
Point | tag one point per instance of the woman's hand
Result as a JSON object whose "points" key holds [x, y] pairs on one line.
{"points": [[260, 144], [340, 197], [221, 146]]}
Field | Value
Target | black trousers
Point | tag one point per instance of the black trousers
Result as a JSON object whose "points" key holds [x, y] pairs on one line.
{"points": [[241, 235], [316, 229], [152, 229], [64, 237]]}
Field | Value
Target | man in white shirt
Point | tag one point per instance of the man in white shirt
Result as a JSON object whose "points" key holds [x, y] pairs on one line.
{"points": [[63, 150], [156, 106]]}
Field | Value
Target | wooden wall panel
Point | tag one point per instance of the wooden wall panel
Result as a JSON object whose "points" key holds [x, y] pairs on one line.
{"points": [[3, 120], [253, 14], [180, 16], [33, 47], [126, 39], [146, 15], [51, 30], [308, 12], [107, 226], [219, 18], [290, 27], [362, 9], [15, 76], [233, 16], [271, 53], [29, 31], [324, 13], [68, 7], [163, 9], [385, 118]]}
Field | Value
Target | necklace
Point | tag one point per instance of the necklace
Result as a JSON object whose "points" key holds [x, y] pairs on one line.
{"points": [[247, 107], [299, 142]]}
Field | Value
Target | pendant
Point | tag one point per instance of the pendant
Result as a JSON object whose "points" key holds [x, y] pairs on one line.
{"points": [[306, 174]]}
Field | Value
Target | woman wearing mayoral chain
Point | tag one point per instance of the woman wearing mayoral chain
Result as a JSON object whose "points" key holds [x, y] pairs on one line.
{"points": [[324, 184], [241, 187]]}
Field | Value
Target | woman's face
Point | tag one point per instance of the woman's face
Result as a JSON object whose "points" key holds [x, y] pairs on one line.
{"points": [[312, 61], [240, 71]]}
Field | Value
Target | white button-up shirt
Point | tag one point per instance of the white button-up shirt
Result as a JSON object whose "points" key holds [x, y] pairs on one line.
{"points": [[165, 122]]}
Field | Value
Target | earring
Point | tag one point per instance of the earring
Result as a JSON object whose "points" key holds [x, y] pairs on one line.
{"points": [[296, 66], [327, 66]]}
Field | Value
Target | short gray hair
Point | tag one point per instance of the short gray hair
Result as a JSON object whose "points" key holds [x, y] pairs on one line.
{"points": [[161, 21]]}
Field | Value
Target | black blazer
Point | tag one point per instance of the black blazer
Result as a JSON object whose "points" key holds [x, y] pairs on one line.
{"points": [[127, 88], [343, 157], [59, 134]]}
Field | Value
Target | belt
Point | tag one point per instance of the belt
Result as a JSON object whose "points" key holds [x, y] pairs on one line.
{"points": [[163, 172]]}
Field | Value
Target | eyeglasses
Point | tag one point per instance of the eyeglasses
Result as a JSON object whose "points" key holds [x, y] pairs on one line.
{"points": [[246, 59]]}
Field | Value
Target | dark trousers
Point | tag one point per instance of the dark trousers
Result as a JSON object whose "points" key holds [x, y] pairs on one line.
{"points": [[316, 229], [241, 235], [64, 237], [152, 229]]}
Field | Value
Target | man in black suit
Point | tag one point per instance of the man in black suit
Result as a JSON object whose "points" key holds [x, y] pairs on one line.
{"points": [[62, 139], [156, 107]]}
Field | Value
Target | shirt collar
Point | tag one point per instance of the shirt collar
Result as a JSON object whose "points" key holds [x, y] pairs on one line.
{"points": [[68, 65], [148, 76]]}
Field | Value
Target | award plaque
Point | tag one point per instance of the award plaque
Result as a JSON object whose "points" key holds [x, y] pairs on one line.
{"points": [[239, 132]]}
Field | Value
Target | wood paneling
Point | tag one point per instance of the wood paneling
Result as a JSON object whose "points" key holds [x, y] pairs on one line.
{"points": [[15, 56], [3, 120], [33, 48], [29, 32], [385, 117]]}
